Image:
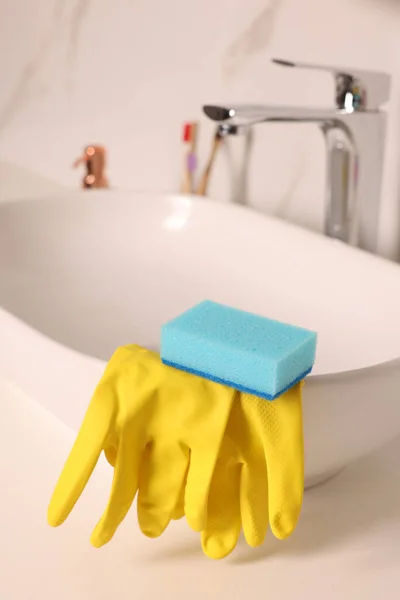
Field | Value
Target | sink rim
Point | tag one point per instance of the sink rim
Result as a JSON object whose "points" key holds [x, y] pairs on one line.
{"points": [[172, 199]]}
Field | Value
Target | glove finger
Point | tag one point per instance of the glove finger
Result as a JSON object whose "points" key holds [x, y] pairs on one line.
{"points": [[162, 474], [203, 457], [123, 490], [222, 529], [243, 428], [208, 424], [179, 510], [84, 455], [201, 468], [283, 443], [254, 502]]}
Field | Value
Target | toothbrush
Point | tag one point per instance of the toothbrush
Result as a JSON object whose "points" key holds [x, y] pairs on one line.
{"points": [[190, 138], [203, 185]]}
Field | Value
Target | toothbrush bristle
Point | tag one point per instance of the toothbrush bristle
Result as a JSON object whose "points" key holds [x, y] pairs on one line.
{"points": [[187, 132]]}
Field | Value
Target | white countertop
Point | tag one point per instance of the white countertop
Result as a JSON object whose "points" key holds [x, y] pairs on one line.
{"points": [[347, 544]]}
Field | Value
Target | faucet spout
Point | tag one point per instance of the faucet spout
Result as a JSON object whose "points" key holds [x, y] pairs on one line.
{"points": [[354, 154], [253, 114]]}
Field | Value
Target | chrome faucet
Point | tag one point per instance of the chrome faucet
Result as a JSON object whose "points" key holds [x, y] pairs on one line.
{"points": [[354, 131]]}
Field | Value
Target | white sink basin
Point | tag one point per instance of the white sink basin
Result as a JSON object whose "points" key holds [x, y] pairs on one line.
{"points": [[86, 272]]}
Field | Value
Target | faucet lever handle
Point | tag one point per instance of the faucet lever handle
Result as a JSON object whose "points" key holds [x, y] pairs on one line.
{"points": [[356, 89]]}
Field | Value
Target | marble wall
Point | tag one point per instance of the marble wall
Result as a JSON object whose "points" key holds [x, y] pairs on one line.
{"points": [[128, 73]]}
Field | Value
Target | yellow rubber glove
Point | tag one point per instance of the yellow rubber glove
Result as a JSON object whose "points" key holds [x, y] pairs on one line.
{"points": [[162, 428], [259, 476]]}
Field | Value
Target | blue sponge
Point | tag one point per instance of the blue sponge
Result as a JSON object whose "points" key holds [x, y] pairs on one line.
{"points": [[239, 349]]}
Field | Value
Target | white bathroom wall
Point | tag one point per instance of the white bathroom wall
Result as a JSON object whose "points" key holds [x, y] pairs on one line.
{"points": [[128, 73]]}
